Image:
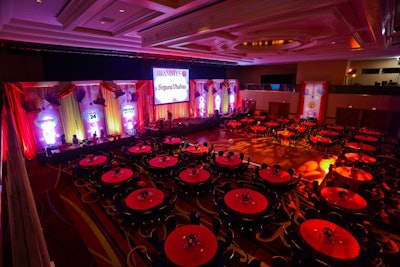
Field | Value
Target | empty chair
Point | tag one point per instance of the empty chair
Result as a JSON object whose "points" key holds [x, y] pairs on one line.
{"points": [[336, 218], [216, 225], [254, 262], [194, 217], [279, 261], [311, 213], [170, 223]]}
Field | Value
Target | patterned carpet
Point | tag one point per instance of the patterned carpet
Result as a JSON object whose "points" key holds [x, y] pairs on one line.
{"points": [[100, 237]]}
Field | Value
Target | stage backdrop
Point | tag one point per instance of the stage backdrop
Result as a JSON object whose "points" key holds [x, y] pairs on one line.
{"points": [[312, 101]]}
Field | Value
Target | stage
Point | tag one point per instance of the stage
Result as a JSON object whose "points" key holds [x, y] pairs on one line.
{"points": [[181, 126]]}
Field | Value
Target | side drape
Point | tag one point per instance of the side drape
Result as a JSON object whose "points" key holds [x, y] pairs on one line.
{"points": [[71, 118], [112, 113]]}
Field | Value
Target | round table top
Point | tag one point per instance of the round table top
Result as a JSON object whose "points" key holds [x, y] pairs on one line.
{"points": [[201, 252], [139, 149], [114, 176], [258, 128], [268, 175], [286, 133], [272, 124], [234, 124], [369, 131], [97, 160], [360, 157], [199, 176], [160, 163], [366, 138], [144, 199], [233, 162], [364, 147], [356, 174], [196, 151], [328, 132], [172, 141], [341, 245], [321, 139], [246, 201], [297, 128], [335, 127], [343, 198], [308, 123]]}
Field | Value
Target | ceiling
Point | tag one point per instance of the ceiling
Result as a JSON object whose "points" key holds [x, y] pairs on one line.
{"points": [[242, 32]]}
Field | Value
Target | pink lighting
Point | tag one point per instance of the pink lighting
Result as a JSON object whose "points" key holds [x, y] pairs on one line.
{"points": [[350, 106]]}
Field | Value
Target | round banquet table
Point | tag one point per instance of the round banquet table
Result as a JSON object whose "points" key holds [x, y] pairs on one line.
{"points": [[335, 127], [97, 160], [285, 134], [200, 176], [233, 162], [172, 141], [342, 245], [139, 202], [179, 253], [308, 123], [281, 177], [364, 147], [257, 128], [139, 149], [357, 174], [200, 150], [343, 198], [370, 132], [360, 157], [366, 138], [246, 201], [114, 177], [272, 124], [233, 124], [322, 139], [328, 132], [158, 162]]}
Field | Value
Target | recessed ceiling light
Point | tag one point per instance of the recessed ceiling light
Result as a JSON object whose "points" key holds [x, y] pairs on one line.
{"points": [[121, 10], [38, 1]]}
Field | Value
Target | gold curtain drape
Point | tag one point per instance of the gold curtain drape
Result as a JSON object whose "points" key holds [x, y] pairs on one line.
{"points": [[225, 101], [210, 102], [71, 118], [112, 113]]}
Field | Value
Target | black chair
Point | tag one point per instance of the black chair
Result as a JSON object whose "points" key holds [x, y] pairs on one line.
{"points": [[279, 261], [170, 223], [254, 262], [336, 218], [216, 225], [195, 217], [311, 213]]}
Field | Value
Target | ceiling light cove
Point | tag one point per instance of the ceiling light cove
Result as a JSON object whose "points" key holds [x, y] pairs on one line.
{"points": [[263, 45]]}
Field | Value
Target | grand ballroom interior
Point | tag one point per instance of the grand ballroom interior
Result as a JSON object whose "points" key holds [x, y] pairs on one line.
{"points": [[200, 133]]}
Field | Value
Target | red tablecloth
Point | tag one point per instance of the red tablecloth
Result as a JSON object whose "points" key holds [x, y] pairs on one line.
{"points": [[200, 176], [285, 134], [357, 174], [179, 253], [246, 201], [364, 147], [139, 149], [343, 198], [97, 160], [233, 162], [366, 138], [233, 124], [281, 177], [370, 132], [200, 150], [247, 120], [172, 141], [342, 245], [300, 129], [361, 158], [335, 127], [328, 132], [113, 177], [138, 201], [257, 128], [272, 124], [308, 123], [321, 139], [158, 162]]}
